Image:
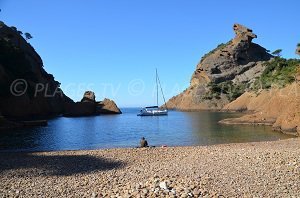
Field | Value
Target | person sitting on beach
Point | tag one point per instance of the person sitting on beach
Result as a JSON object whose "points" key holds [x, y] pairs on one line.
{"points": [[143, 142]]}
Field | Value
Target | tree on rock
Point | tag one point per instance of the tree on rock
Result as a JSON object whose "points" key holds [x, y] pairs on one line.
{"points": [[14, 28], [277, 52], [28, 36]]}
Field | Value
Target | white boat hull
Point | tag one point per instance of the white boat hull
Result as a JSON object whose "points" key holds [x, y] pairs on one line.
{"points": [[154, 112]]}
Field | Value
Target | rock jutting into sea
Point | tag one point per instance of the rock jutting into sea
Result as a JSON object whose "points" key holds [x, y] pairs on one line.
{"points": [[242, 76], [228, 67], [108, 106], [278, 107], [88, 106]]}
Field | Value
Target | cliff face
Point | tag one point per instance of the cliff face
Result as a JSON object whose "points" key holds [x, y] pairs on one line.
{"points": [[224, 73], [277, 107], [26, 88]]}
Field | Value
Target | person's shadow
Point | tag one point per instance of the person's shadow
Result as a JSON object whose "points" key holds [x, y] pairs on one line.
{"points": [[59, 165]]}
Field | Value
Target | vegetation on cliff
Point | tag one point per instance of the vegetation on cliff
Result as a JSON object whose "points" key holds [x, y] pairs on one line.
{"points": [[278, 72], [228, 88]]}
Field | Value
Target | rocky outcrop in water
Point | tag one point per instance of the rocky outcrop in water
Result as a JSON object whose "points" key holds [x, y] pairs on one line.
{"points": [[88, 106], [89, 96], [224, 73], [108, 106], [26, 89]]}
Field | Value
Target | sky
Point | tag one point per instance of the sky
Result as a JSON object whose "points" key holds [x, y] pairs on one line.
{"points": [[112, 47]]}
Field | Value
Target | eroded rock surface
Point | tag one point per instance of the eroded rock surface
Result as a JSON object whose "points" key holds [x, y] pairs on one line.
{"points": [[233, 64], [108, 106], [277, 107], [88, 106]]}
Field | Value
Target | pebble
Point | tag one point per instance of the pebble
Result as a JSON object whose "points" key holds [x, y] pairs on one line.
{"points": [[163, 185], [262, 169]]}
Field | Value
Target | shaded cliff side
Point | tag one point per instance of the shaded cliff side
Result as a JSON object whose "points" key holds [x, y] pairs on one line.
{"points": [[26, 89], [224, 73]]}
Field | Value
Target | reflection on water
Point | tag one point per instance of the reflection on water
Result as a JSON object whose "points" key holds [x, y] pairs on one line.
{"points": [[176, 129]]}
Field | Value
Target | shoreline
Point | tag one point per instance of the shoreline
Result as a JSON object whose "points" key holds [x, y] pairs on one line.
{"points": [[292, 136], [269, 168]]}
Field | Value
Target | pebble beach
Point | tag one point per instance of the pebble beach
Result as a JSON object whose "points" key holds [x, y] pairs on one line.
{"points": [[259, 169]]}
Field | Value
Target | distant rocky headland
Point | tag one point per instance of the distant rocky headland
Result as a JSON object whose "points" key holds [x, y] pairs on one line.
{"points": [[89, 106], [243, 76], [27, 90]]}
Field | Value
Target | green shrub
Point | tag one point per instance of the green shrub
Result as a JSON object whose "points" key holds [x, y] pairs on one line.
{"points": [[278, 72], [228, 88]]}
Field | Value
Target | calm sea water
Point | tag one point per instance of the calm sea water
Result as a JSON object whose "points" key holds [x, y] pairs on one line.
{"points": [[125, 130]]}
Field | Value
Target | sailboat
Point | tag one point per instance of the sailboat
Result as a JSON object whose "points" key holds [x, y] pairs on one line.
{"points": [[155, 110]]}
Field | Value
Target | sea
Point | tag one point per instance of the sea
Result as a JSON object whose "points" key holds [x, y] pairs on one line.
{"points": [[126, 130]]}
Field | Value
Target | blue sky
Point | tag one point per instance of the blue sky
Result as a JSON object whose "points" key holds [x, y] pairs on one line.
{"points": [[113, 47]]}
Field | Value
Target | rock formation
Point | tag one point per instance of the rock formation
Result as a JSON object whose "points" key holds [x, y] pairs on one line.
{"points": [[277, 107], [108, 106], [298, 49], [26, 89], [231, 66], [89, 96], [89, 107]]}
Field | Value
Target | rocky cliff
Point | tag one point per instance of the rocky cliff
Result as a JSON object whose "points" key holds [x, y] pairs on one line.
{"points": [[224, 73], [26, 89], [279, 107]]}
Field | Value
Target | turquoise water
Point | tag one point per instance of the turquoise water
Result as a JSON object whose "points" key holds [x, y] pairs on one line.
{"points": [[125, 130]]}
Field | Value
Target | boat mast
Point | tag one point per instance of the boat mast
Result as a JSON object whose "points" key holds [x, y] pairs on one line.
{"points": [[156, 88], [161, 90]]}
